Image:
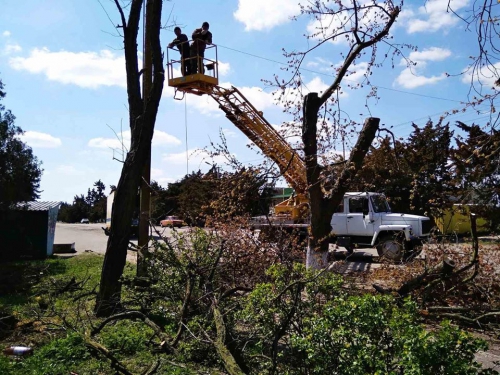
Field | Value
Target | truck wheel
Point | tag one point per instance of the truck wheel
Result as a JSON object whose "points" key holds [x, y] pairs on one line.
{"points": [[390, 248]]}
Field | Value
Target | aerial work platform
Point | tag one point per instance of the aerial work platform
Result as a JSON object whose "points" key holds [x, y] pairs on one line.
{"points": [[250, 121], [199, 83]]}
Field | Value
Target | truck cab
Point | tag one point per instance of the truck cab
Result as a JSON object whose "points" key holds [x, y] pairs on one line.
{"points": [[366, 219]]}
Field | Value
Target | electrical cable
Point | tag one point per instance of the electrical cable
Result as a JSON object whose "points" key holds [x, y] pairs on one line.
{"points": [[433, 115], [331, 75], [186, 126]]}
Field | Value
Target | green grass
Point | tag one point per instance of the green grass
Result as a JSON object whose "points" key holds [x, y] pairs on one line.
{"points": [[53, 323]]}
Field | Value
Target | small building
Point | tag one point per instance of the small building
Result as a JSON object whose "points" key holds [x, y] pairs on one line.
{"points": [[27, 231]]}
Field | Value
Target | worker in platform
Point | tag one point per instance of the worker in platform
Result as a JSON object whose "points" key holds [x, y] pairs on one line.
{"points": [[201, 37], [182, 44]]}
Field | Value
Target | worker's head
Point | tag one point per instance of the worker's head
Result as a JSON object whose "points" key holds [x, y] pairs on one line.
{"points": [[205, 26], [177, 30]]}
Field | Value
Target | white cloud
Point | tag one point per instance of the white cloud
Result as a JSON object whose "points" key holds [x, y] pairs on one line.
{"points": [[229, 133], [158, 176], [42, 140], [316, 85], [69, 170], [160, 138], [164, 181], [295, 96], [6, 33], [198, 159], [327, 25], [357, 72], [259, 98], [224, 68], [486, 76], [84, 69], [314, 64], [12, 48], [265, 14], [431, 54], [156, 173], [291, 132], [434, 16], [208, 106], [410, 78], [107, 143]]}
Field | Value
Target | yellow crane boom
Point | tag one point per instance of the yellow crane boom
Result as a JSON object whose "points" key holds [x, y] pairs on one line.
{"points": [[252, 123]]}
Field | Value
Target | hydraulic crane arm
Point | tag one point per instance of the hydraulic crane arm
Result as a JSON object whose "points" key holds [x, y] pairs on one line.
{"points": [[252, 123]]}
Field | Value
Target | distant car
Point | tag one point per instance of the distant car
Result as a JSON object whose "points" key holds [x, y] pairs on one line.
{"points": [[172, 221], [85, 221]]}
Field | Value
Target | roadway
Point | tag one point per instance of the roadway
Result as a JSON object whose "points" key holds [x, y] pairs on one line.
{"points": [[91, 237]]}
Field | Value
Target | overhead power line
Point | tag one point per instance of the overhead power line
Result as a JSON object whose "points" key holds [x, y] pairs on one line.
{"points": [[441, 113], [332, 76]]}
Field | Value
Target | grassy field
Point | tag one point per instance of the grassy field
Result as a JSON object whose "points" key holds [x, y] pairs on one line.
{"points": [[47, 305]]}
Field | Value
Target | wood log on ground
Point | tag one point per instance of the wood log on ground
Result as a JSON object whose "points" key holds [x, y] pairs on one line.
{"points": [[230, 363], [117, 365], [442, 271]]}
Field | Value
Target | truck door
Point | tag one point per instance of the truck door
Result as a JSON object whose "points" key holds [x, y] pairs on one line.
{"points": [[357, 223], [338, 222]]}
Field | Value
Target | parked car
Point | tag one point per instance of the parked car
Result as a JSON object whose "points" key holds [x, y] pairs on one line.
{"points": [[172, 221], [85, 221]]}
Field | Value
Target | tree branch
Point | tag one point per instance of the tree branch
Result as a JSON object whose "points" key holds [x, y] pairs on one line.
{"points": [[105, 352], [354, 53], [122, 15], [137, 315]]}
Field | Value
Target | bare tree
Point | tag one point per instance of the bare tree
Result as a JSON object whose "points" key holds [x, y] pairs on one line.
{"points": [[362, 25], [483, 71], [142, 117]]}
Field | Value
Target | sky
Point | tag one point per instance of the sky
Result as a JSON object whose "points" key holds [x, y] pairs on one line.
{"points": [[63, 69]]}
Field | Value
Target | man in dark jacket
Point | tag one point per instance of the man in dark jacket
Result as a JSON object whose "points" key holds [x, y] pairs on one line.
{"points": [[182, 44], [201, 37]]}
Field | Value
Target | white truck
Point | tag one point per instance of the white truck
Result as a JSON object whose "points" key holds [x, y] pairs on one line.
{"points": [[365, 219]]}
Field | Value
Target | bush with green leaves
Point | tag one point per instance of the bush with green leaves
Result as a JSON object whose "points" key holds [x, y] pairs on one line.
{"points": [[302, 323]]}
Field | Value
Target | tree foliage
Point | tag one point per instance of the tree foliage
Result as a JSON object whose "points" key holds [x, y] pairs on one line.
{"points": [[427, 153], [20, 171], [215, 195], [92, 206], [475, 162]]}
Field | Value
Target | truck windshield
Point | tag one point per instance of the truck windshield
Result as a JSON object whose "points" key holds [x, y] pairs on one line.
{"points": [[380, 204]]}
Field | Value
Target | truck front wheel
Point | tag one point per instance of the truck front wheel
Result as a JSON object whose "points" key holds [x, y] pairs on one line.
{"points": [[390, 248]]}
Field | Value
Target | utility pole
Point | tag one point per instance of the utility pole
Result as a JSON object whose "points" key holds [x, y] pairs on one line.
{"points": [[145, 196]]}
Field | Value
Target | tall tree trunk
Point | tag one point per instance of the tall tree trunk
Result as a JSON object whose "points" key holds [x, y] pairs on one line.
{"points": [[142, 118], [317, 250], [321, 208]]}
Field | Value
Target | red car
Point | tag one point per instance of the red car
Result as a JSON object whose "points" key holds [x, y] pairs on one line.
{"points": [[172, 221]]}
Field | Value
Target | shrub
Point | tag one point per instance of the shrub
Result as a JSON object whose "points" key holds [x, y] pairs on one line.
{"points": [[301, 324]]}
